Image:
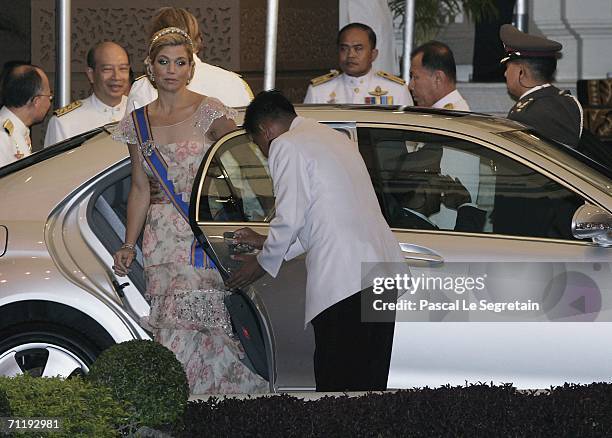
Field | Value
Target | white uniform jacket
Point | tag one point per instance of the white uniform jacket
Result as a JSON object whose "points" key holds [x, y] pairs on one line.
{"points": [[208, 80], [454, 101], [92, 113], [326, 207], [14, 135], [358, 90], [457, 164]]}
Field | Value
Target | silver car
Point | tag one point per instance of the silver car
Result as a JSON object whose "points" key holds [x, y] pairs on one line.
{"points": [[547, 216]]}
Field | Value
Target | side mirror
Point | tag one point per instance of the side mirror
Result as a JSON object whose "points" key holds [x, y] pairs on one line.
{"points": [[590, 222]]}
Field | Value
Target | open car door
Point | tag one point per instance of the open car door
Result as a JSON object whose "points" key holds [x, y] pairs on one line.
{"points": [[233, 190]]}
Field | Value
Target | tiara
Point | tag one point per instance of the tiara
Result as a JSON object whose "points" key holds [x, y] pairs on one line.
{"points": [[169, 30]]}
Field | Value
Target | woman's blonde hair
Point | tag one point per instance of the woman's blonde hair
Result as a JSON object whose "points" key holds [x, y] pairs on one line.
{"points": [[170, 36], [177, 17]]}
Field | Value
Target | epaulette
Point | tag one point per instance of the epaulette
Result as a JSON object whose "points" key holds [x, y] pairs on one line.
{"points": [[8, 126], [140, 77], [391, 77], [324, 78], [66, 109], [522, 104]]}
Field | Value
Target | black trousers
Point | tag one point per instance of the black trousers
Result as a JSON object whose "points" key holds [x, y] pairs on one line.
{"points": [[351, 355]]}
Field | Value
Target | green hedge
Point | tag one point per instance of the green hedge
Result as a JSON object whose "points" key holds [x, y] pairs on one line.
{"points": [[146, 375], [86, 410], [5, 407]]}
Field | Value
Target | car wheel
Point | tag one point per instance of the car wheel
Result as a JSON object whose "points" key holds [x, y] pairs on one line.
{"points": [[44, 350]]}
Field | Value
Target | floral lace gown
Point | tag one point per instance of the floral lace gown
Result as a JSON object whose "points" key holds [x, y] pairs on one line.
{"points": [[187, 311]]}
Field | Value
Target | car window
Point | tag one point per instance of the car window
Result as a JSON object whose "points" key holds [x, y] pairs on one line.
{"points": [[238, 187], [436, 182]]}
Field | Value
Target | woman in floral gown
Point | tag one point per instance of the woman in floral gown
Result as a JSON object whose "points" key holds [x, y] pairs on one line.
{"points": [[187, 311]]}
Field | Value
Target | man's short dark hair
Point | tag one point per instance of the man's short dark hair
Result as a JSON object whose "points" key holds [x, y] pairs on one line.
{"points": [[437, 56], [20, 84], [267, 105], [367, 29], [91, 57], [542, 69]]}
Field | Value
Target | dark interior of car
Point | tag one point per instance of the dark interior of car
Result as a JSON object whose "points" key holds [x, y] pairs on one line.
{"points": [[107, 215]]}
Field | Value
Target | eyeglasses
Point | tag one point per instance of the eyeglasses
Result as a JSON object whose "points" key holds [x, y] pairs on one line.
{"points": [[50, 96]]}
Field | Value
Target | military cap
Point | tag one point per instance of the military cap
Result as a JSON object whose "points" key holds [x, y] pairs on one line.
{"points": [[521, 45]]}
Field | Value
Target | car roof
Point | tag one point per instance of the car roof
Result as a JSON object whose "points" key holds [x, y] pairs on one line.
{"points": [[412, 115]]}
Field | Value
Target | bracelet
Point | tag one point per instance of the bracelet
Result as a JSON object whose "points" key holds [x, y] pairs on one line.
{"points": [[128, 246]]}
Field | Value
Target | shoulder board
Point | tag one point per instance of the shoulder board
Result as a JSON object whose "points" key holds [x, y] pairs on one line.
{"points": [[8, 126], [66, 109], [384, 74], [140, 77], [324, 78], [523, 104]]}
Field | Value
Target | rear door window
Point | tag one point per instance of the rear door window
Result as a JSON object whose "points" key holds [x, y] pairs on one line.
{"points": [[430, 181]]}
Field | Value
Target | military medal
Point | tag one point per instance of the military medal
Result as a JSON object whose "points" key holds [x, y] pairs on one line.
{"points": [[379, 97], [9, 129], [332, 97]]}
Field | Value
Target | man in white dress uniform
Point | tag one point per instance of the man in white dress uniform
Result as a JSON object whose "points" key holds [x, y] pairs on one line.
{"points": [[358, 83], [325, 207], [433, 84], [433, 77], [26, 96], [108, 71], [209, 80]]}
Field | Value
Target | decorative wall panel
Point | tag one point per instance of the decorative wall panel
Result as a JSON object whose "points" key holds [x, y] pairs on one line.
{"points": [[127, 24], [306, 37]]}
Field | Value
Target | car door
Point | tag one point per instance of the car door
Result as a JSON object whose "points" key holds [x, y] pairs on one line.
{"points": [[233, 190], [523, 245]]}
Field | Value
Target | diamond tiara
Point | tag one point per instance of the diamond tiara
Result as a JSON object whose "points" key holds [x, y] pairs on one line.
{"points": [[169, 30]]}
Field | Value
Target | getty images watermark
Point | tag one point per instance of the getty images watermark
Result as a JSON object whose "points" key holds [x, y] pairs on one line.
{"points": [[491, 291]]}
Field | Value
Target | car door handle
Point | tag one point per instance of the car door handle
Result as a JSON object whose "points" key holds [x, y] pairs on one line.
{"points": [[419, 253]]}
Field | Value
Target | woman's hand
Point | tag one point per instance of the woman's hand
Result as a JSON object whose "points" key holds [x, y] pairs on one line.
{"points": [[123, 259], [250, 237]]}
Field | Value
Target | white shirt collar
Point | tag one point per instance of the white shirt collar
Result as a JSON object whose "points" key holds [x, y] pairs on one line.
{"points": [[296, 122], [102, 107], [451, 97], [534, 89], [354, 80]]}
